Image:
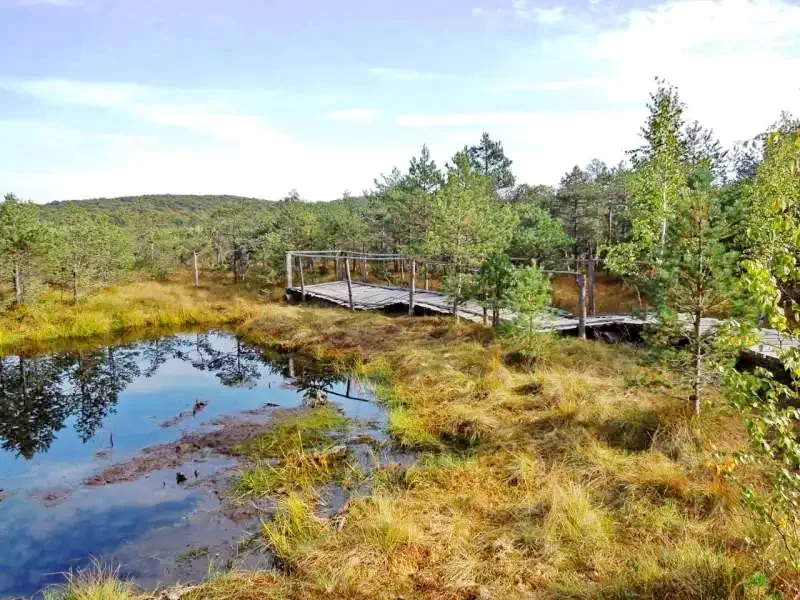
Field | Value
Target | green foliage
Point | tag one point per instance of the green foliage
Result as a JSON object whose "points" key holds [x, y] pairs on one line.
{"points": [[494, 283], [770, 207], [659, 175], [24, 241], [530, 295], [489, 159], [467, 225], [694, 279]]}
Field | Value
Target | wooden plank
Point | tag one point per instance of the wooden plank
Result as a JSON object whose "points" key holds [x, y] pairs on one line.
{"points": [[360, 296]]}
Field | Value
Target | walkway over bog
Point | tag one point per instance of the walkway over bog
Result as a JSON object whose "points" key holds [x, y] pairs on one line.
{"points": [[350, 284]]}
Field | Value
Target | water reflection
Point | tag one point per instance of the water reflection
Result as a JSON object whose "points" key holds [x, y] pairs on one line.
{"points": [[39, 395]]}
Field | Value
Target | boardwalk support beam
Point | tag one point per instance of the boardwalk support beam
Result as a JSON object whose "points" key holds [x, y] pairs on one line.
{"points": [[302, 278], [412, 288], [580, 280], [349, 283], [289, 270]]}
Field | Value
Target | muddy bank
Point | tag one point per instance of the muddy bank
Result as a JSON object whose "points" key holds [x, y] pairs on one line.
{"points": [[223, 441]]}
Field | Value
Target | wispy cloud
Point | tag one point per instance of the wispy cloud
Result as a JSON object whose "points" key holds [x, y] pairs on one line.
{"points": [[496, 118], [355, 115], [543, 15], [147, 104], [393, 74], [549, 85], [56, 3]]}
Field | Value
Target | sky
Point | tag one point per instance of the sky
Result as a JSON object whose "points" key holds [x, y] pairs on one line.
{"points": [[258, 97]]}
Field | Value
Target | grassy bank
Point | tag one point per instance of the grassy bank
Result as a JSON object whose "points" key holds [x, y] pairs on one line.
{"points": [[548, 469], [136, 306]]}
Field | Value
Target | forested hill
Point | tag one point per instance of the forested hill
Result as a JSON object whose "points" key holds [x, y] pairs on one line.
{"points": [[176, 208]]}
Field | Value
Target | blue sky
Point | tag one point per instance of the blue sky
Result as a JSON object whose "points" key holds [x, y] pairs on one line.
{"points": [[120, 97]]}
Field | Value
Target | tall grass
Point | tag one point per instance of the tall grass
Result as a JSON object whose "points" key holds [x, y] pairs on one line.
{"points": [[137, 305], [97, 582], [574, 473]]}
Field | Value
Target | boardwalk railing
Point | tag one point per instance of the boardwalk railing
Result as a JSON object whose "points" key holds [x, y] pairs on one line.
{"points": [[349, 263]]}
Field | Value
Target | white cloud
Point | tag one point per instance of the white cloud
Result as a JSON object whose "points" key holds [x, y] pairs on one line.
{"points": [[548, 85], [355, 115], [548, 16], [542, 15], [234, 153], [477, 11], [507, 118], [393, 74], [732, 60], [146, 104]]}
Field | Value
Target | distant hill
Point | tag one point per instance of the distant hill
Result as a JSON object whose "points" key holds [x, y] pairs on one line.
{"points": [[177, 208]]}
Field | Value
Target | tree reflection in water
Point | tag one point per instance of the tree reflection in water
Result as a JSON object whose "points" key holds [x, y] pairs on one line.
{"points": [[38, 394]]}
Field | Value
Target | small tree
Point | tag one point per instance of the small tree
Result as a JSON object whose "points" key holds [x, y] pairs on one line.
{"points": [[695, 278], [530, 295], [770, 208], [22, 239], [467, 224], [493, 285]]}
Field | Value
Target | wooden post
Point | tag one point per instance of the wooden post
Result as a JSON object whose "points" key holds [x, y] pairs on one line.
{"points": [[349, 282], [302, 278], [426, 278], [580, 280], [366, 270], [412, 288], [196, 271], [591, 275], [288, 270]]}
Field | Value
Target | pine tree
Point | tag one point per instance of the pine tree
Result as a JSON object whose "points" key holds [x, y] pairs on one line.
{"points": [[22, 240], [467, 225], [489, 159]]}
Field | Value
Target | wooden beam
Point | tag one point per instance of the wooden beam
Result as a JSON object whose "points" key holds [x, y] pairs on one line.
{"points": [[302, 278], [580, 280], [412, 288], [349, 282], [288, 270], [590, 271]]}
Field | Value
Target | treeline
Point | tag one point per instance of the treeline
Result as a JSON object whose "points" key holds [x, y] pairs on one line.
{"points": [[470, 213]]}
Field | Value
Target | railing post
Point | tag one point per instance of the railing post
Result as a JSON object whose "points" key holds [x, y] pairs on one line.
{"points": [[366, 271], [590, 272], [580, 280], [302, 278], [412, 288], [349, 282], [427, 286], [288, 270]]}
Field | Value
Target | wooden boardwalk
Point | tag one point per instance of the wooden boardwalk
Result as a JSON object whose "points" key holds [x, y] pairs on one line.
{"points": [[369, 296]]}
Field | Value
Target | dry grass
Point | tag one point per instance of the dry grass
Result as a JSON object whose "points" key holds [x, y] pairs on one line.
{"points": [[559, 469], [291, 456], [94, 583], [136, 306], [577, 473]]}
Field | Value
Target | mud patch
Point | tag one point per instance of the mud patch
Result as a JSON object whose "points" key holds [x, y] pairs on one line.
{"points": [[231, 432], [52, 497]]}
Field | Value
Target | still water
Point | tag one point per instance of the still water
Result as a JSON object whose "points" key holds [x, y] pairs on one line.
{"points": [[66, 416]]}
